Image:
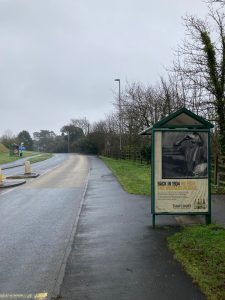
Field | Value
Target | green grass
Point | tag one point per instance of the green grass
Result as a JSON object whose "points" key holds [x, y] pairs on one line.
{"points": [[30, 153], [133, 176], [201, 250], [6, 158], [40, 157]]}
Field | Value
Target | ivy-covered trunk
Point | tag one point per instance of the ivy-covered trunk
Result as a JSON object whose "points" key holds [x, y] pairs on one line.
{"points": [[216, 80], [221, 122]]}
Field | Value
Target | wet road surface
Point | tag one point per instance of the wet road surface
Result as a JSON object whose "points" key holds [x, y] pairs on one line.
{"points": [[39, 167], [36, 223], [116, 255]]}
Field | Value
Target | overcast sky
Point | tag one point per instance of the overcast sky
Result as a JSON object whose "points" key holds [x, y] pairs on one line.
{"points": [[59, 58]]}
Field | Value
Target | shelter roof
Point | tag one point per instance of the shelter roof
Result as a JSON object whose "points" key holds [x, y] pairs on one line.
{"points": [[182, 118]]}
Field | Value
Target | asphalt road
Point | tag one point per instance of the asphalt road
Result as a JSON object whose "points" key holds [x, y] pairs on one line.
{"points": [[37, 223], [39, 167]]}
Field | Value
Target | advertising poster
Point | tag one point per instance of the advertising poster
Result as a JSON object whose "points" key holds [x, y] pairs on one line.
{"points": [[181, 171]]}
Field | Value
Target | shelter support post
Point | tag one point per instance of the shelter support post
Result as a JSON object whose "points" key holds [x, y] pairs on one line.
{"points": [[208, 219], [153, 221]]}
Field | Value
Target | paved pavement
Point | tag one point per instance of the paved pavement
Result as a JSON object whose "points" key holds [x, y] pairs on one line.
{"points": [[116, 254]]}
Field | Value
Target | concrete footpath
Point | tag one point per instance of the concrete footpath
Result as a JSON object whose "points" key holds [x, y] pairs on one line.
{"points": [[116, 255]]}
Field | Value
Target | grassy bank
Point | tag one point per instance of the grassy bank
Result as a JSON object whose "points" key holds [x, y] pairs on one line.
{"points": [[201, 250], [6, 158], [133, 176]]}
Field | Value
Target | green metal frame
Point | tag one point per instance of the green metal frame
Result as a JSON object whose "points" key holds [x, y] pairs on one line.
{"points": [[153, 179], [162, 122], [153, 174], [193, 128]]}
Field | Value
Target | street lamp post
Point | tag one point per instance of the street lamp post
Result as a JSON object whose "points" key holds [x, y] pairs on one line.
{"points": [[120, 125]]}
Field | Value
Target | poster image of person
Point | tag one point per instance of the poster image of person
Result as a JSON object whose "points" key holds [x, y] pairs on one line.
{"points": [[184, 154]]}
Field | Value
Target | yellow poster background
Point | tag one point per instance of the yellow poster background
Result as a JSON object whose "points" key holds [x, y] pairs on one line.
{"points": [[177, 195]]}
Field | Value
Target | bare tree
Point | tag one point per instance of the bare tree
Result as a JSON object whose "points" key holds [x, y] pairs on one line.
{"points": [[8, 138], [83, 123], [171, 94], [202, 64]]}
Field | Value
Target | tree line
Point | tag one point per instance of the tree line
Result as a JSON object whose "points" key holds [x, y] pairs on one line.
{"points": [[73, 137]]}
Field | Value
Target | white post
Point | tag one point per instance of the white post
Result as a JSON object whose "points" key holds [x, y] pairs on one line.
{"points": [[27, 167]]}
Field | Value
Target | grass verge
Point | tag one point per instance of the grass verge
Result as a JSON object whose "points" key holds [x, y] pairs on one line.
{"points": [[133, 176], [6, 158], [201, 251], [40, 157]]}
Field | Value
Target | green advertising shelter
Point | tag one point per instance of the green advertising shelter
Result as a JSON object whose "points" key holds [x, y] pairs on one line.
{"points": [[181, 168]]}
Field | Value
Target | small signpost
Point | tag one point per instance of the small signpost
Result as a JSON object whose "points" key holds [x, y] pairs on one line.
{"points": [[181, 169], [21, 149]]}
